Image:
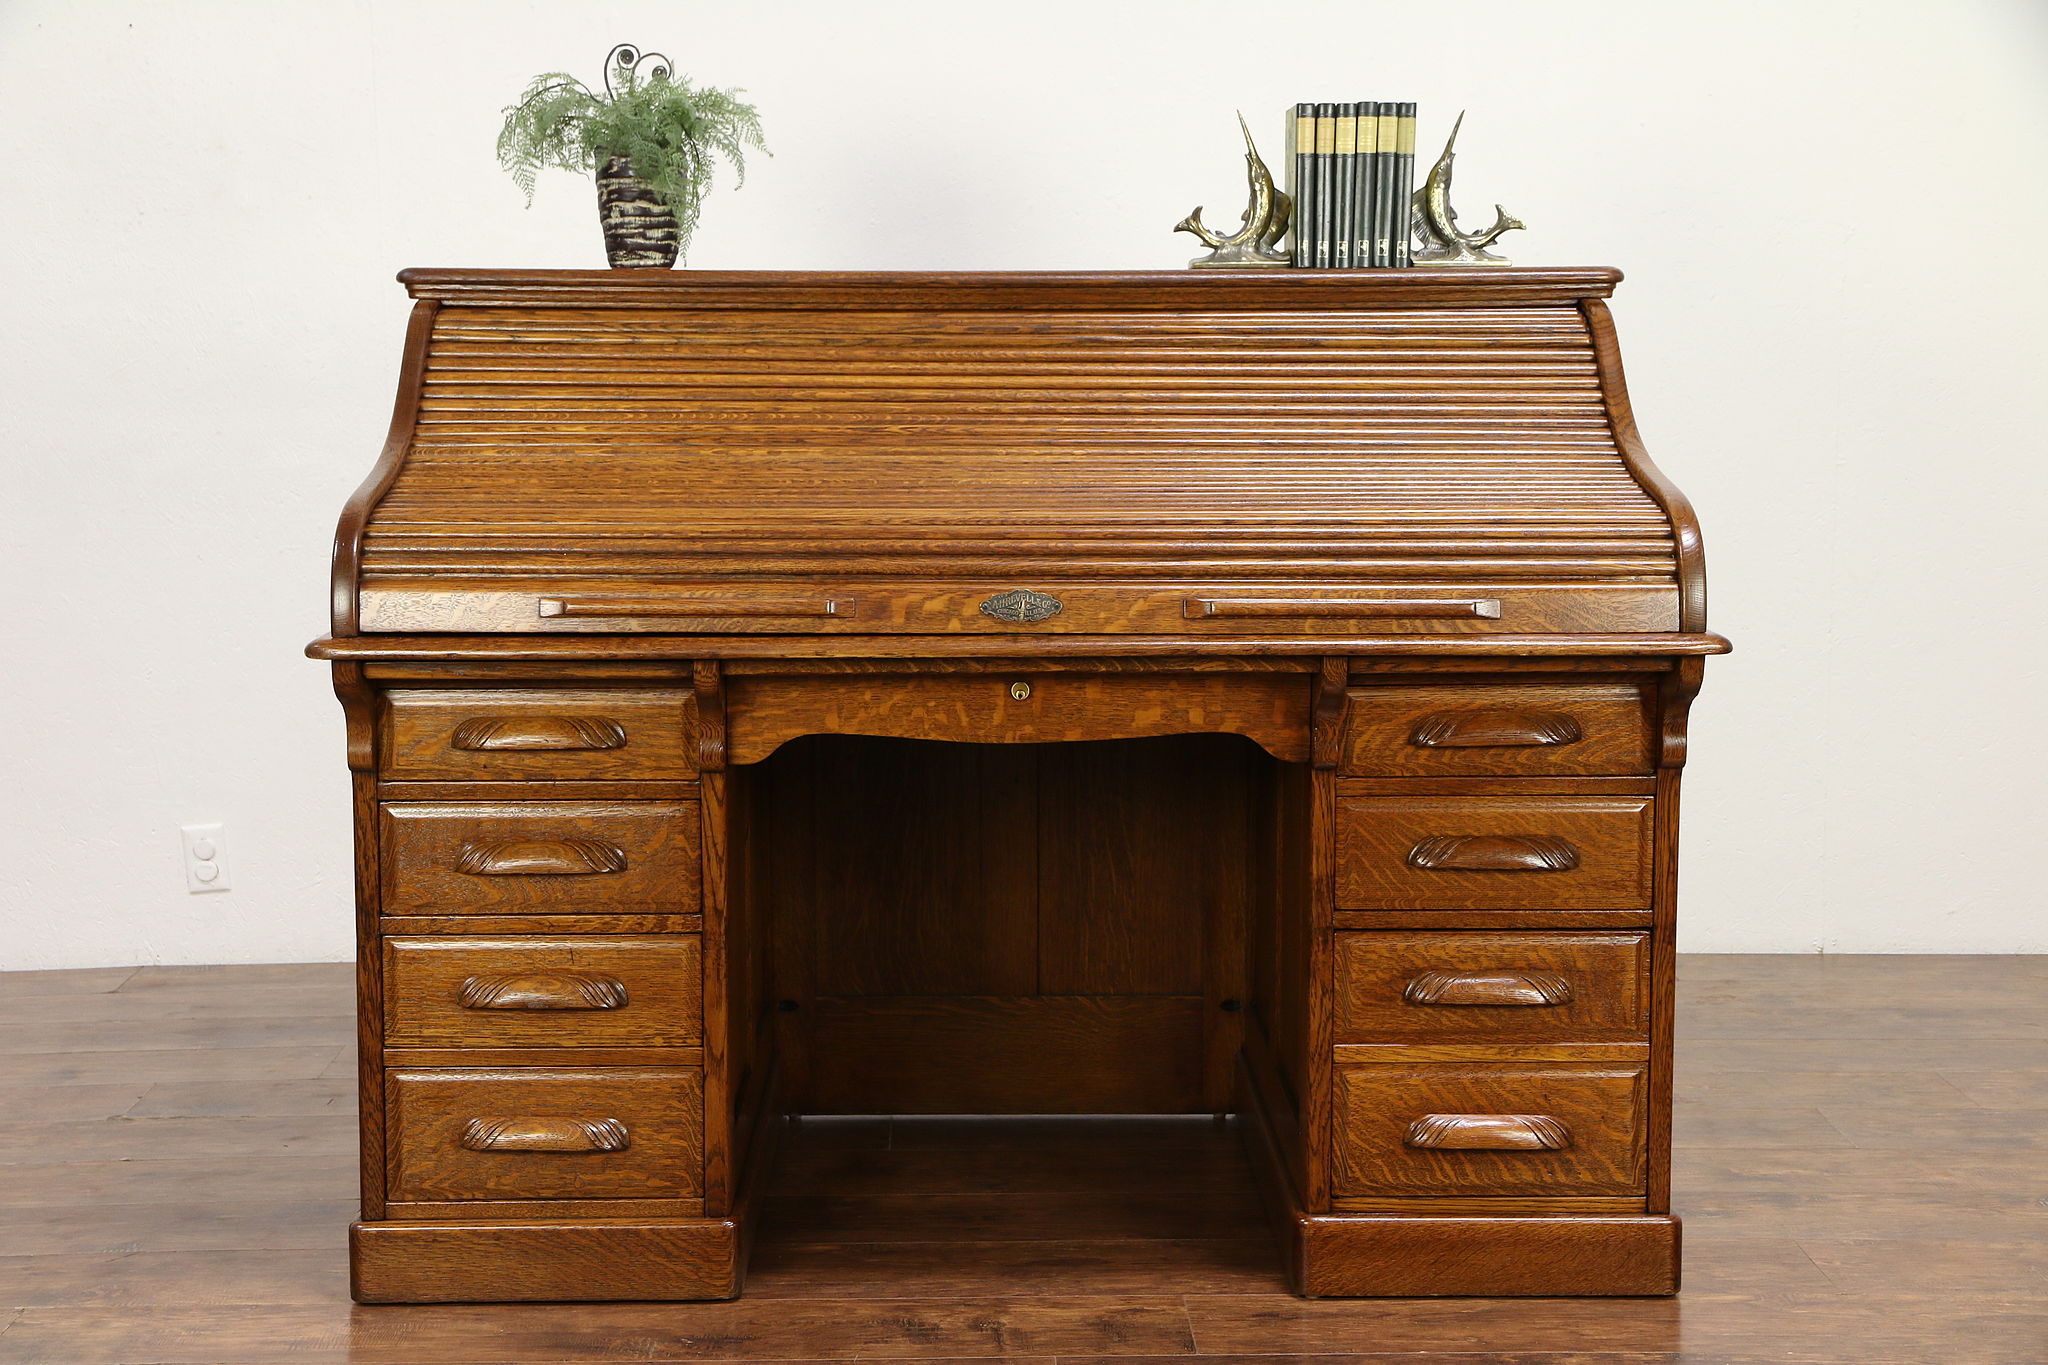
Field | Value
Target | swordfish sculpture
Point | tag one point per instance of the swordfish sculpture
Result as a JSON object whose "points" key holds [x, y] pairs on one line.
{"points": [[1265, 221], [1435, 222]]}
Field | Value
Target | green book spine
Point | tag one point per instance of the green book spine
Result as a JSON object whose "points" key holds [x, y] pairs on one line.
{"points": [[1404, 184], [1326, 152], [1304, 183], [1369, 153], [1383, 170], [1345, 152], [1362, 182]]}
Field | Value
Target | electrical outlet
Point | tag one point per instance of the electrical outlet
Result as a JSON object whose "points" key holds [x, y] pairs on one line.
{"points": [[206, 858]]}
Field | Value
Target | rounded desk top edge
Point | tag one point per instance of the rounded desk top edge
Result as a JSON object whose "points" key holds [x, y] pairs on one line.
{"points": [[1277, 288], [347, 648]]}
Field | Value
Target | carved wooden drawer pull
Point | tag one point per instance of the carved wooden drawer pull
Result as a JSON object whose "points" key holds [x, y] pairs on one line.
{"points": [[1489, 1133], [1494, 853], [540, 858], [1495, 730], [545, 1135], [497, 734], [542, 991], [1502, 987]]}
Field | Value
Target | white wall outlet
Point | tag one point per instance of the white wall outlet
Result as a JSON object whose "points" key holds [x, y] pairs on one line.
{"points": [[206, 858]]}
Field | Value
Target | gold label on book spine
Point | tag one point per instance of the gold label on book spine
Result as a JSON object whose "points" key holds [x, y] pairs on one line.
{"points": [[1326, 135], [1304, 133], [1390, 134], [1347, 136], [1405, 143]]}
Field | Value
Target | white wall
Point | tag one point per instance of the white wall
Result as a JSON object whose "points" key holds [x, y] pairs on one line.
{"points": [[1829, 213]]}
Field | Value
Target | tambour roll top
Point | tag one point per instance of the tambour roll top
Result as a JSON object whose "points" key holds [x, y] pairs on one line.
{"points": [[1272, 454]]}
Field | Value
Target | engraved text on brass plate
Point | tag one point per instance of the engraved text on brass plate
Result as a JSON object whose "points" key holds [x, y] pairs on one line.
{"points": [[1021, 605]]}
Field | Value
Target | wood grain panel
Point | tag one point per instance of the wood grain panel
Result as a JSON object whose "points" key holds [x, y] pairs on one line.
{"points": [[586, 1055], [476, 1210], [369, 981], [1283, 929], [1449, 988], [1491, 1256], [1356, 1054], [1269, 708], [910, 868], [1494, 852], [470, 926], [536, 1260], [952, 605], [1023, 1055], [1524, 729], [520, 734], [428, 844], [924, 867], [542, 992], [658, 1114], [1141, 851], [1385, 1114], [721, 1067]]}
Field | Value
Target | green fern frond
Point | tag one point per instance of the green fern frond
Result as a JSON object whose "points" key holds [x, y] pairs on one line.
{"points": [[674, 133]]}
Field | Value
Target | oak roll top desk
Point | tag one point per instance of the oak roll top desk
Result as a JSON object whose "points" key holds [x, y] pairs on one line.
{"points": [[787, 693]]}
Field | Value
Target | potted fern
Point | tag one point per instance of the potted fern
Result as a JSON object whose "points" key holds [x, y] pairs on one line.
{"points": [[652, 138]]}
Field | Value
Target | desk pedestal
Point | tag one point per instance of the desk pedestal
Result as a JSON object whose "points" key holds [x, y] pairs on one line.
{"points": [[1408, 920]]}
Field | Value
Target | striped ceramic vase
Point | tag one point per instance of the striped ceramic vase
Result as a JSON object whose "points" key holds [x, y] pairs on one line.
{"points": [[639, 230]]}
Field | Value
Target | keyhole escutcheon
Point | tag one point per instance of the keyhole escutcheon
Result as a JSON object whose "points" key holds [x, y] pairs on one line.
{"points": [[1020, 691]]}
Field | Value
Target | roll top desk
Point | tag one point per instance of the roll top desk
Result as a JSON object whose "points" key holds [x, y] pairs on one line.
{"points": [[779, 694]]}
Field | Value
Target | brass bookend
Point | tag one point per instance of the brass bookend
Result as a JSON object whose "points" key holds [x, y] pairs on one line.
{"points": [[1265, 221], [1435, 222]]}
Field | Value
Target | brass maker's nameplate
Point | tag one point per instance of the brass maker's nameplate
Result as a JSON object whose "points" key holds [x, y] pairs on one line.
{"points": [[1021, 606]]}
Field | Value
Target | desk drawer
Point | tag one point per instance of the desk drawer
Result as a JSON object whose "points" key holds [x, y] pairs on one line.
{"points": [[1492, 988], [764, 712], [611, 1133], [492, 734], [1553, 730], [539, 857], [1485, 1128], [1493, 852], [542, 992]]}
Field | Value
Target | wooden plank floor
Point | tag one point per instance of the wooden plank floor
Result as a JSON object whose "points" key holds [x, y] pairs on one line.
{"points": [[1863, 1168]]}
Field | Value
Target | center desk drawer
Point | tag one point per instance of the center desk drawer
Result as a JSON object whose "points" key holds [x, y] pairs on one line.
{"points": [[511, 734], [1493, 852], [539, 857], [1444, 987], [1530, 729], [766, 711], [1487, 1128], [542, 992], [609, 1133]]}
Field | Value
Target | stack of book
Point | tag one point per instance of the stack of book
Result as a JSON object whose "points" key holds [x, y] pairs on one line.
{"points": [[1354, 172]]}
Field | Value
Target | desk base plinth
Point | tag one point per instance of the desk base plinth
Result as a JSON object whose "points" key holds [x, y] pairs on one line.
{"points": [[1425, 1256], [436, 1262]]}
